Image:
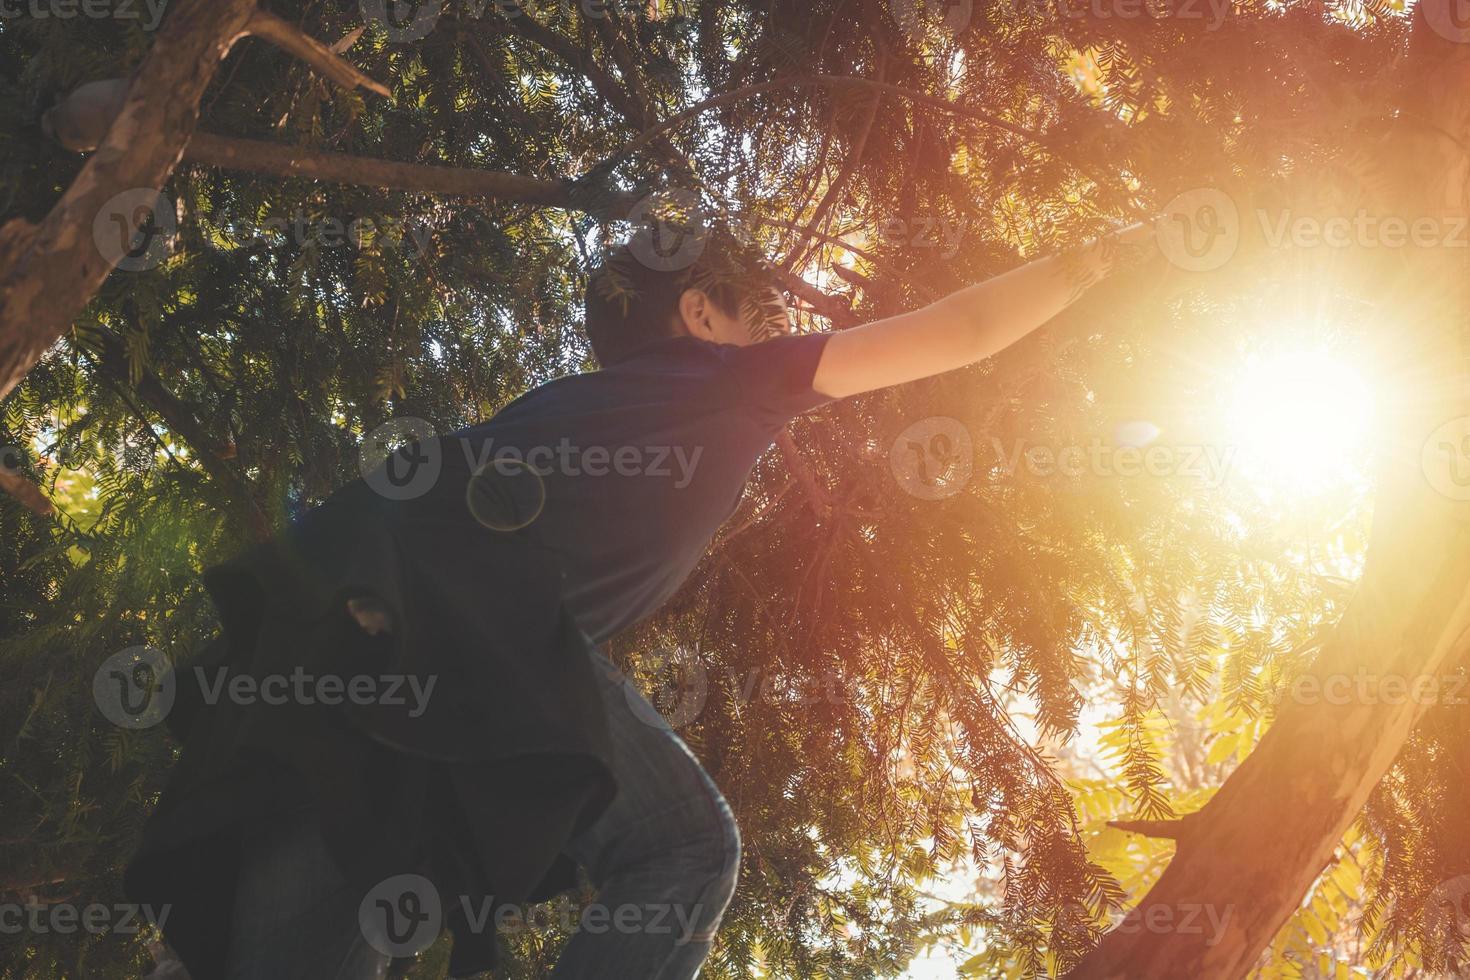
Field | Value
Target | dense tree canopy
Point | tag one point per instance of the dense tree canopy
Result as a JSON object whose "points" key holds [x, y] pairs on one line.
{"points": [[900, 683]]}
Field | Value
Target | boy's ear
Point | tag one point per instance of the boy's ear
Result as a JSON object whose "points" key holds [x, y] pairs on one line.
{"points": [[694, 314]]}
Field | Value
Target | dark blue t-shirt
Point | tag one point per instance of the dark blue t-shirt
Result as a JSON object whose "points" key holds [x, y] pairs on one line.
{"points": [[643, 461]]}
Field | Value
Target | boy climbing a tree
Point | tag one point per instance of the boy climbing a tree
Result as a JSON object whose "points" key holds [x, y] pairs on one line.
{"points": [[482, 569]]}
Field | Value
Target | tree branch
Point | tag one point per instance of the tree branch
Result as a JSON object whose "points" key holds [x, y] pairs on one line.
{"points": [[26, 492], [80, 122], [832, 307], [805, 478], [258, 156], [1160, 829], [325, 60]]}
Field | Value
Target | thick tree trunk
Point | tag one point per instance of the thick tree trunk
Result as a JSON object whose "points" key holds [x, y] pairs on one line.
{"points": [[1247, 859], [52, 271]]}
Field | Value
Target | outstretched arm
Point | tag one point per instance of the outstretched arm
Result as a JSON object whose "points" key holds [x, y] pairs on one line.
{"points": [[969, 325]]}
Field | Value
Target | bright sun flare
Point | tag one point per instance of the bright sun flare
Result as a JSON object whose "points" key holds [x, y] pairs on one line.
{"points": [[1300, 421]]}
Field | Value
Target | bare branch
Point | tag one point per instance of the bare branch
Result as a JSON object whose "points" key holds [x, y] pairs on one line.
{"points": [[1161, 829], [802, 470], [833, 308], [258, 156], [325, 60]]}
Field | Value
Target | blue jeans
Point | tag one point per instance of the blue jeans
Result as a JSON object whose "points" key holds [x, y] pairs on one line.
{"points": [[664, 858]]}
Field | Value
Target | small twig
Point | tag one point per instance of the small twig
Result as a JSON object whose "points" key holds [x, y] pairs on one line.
{"points": [[1161, 829], [349, 40], [756, 515], [325, 60], [20, 887], [834, 308], [800, 469]]}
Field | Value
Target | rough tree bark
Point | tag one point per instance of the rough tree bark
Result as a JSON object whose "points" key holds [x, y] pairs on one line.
{"points": [[55, 268], [1254, 851]]}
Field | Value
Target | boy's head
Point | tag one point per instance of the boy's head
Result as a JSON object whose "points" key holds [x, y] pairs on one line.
{"points": [[726, 296]]}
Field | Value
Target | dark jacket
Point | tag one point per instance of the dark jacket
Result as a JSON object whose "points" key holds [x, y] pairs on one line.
{"points": [[479, 794]]}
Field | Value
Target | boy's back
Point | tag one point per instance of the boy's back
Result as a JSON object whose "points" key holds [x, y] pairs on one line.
{"points": [[639, 464]]}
